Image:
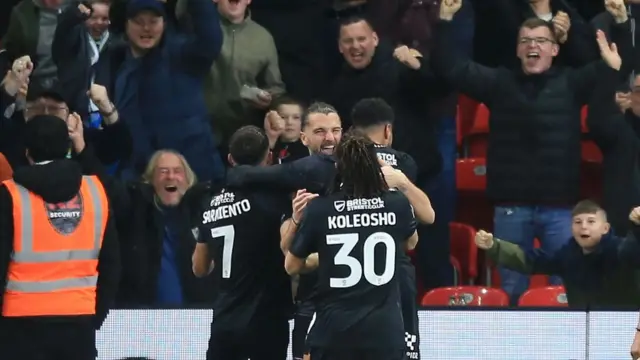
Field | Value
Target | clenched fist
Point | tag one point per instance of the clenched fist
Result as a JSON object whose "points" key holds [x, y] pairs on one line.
{"points": [[407, 56], [617, 9], [561, 24], [634, 216], [484, 240], [448, 8]]}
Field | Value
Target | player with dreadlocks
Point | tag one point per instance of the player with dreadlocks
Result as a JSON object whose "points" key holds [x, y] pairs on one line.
{"points": [[358, 232]]}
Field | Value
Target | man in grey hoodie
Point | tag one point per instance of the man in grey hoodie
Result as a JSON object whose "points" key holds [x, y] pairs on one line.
{"points": [[32, 25]]}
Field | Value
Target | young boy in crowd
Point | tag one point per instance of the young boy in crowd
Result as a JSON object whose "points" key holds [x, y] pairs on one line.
{"points": [[289, 147], [598, 269]]}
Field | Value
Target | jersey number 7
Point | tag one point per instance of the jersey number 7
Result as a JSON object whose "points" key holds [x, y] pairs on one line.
{"points": [[343, 257], [228, 235]]}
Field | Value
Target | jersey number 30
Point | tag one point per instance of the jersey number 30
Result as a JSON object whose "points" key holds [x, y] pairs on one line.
{"points": [[343, 257], [228, 234]]}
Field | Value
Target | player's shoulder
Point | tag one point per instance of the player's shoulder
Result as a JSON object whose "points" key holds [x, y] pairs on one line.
{"points": [[394, 199], [326, 204]]}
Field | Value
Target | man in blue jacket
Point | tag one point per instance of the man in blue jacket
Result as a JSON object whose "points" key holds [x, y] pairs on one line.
{"points": [[157, 84]]}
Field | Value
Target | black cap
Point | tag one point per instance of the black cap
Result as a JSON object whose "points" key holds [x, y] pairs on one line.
{"points": [[37, 91], [134, 7], [46, 137]]}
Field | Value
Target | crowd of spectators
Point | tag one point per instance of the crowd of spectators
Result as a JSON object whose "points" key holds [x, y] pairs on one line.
{"points": [[161, 85]]}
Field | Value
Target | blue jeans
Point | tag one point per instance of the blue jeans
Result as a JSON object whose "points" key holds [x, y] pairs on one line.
{"points": [[520, 225]]}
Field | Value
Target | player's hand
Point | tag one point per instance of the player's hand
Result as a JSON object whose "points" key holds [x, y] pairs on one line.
{"points": [[299, 203], [394, 177], [484, 240], [635, 347], [634, 216]]}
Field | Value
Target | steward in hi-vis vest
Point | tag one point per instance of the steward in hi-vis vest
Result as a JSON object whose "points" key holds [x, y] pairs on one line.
{"points": [[59, 256]]}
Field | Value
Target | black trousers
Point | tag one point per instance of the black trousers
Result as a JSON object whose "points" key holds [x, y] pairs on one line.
{"points": [[408, 293], [47, 340], [301, 323], [267, 341], [360, 354]]}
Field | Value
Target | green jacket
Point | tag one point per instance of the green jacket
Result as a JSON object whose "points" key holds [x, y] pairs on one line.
{"points": [[607, 278], [248, 57]]}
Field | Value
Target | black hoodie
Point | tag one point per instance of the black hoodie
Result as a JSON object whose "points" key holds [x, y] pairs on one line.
{"points": [[55, 182]]}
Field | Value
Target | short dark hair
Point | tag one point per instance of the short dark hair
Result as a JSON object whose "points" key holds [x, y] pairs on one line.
{"points": [[371, 112], [350, 20], [587, 207], [248, 145], [46, 137], [535, 22], [285, 100], [317, 107]]}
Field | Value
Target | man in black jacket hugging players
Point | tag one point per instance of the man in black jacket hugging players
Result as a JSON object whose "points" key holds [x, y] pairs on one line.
{"points": [[533, 155]]}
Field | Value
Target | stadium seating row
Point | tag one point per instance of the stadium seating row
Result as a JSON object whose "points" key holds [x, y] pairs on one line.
{"points": [[549, 296]]}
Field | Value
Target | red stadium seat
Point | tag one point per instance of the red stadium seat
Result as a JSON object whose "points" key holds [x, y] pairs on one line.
{"points": [[546, 296], [476, 141], [464, 249], [590, 151], [465, 115], [471, 295], [583, 119], [471, 174]]}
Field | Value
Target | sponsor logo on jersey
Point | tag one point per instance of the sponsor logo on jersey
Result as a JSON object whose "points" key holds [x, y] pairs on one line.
{"points": [[364, 204], [224, 198], [339, 205], [390, 159], [411, 341]]}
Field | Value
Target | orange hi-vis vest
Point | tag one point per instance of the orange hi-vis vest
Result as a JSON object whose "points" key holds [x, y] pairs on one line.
{"points": [[52, 273]]}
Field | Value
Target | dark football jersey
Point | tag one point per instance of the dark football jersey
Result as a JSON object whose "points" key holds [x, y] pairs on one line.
{"points": [[405, 163], [398, 160], [359, 243], [242, 230]]}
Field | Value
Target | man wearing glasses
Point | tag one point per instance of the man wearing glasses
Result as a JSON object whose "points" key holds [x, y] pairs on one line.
{"points": [[533, 150], [111, 141]]}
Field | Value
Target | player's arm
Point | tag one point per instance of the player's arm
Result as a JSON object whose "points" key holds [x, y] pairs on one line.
{"points": [[287, 233], [201, 261], [412, 241], [417, 198], [300, 258], [289, 226]]}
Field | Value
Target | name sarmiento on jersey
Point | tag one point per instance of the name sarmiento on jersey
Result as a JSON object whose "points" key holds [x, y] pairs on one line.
{"points": [[224, 206]]}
